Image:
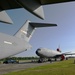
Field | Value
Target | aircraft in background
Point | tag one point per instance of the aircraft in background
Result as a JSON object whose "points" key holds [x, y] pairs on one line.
{"points": [[33, 6], [47, 53], [11, 45]]}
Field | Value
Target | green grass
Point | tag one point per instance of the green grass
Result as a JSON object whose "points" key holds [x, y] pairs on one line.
{"points": [[58, 68]]}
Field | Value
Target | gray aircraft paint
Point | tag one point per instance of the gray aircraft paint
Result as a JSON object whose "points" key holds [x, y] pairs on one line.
{"points": [[11, 45], [33, 6]]}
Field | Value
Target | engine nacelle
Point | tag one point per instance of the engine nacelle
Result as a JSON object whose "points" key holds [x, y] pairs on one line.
{"points": [[58, 50]]}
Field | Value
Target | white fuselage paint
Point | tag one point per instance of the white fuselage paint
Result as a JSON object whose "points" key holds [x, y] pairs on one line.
{"points": [[44, 52]]}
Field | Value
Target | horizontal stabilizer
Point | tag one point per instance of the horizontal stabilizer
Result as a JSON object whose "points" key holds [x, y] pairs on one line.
{"points": [[44, 2], [32, 6], [5, 18], [27, 30], [42, 24]]}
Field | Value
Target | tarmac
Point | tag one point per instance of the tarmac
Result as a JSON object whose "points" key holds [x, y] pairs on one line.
{"points": [[6, 68]]}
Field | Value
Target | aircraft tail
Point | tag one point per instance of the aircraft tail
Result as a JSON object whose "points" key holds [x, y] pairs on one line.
{"points": [[58, 49], [26, 31]]}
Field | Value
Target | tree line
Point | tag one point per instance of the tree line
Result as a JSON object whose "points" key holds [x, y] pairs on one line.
{"points": [[21, 58]]}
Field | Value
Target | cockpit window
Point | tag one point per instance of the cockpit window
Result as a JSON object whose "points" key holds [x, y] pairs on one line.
{"points": [[39, 49]]}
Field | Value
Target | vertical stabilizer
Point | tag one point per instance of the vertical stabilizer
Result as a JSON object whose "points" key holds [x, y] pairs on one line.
{"points": [[58, 49], [26, 31]]}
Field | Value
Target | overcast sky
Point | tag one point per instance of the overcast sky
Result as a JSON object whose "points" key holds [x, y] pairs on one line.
{"points": [[51, 37]]}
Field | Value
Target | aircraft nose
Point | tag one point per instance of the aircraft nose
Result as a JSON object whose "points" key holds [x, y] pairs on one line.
{"points": [[37, 51]]}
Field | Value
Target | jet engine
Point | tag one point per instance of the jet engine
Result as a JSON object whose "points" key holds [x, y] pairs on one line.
{"points": [[58, 50]]}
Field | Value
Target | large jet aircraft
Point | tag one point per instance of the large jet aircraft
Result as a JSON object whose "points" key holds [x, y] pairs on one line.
{"points": [[33, 6], [47, 53], [11, 45]]}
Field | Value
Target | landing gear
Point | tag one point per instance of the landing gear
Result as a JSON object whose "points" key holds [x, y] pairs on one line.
{"points": [[40, 60], [66, 58], [55, 59], [49, 60]]}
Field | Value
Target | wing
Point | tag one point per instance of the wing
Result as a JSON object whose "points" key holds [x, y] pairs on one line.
{"points": [[14, 4], [68, 53], [44, 2], [33, 6]]}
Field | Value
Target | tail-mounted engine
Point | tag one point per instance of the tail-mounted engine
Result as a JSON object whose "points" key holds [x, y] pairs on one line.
{"points": [[58, 50]]}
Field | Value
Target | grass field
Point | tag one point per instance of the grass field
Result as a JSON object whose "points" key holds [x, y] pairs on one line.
{"points": [[66, 67]]}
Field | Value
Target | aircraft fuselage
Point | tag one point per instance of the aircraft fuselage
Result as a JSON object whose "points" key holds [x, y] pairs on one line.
{"points": [[43, 52], [11, 45]]}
